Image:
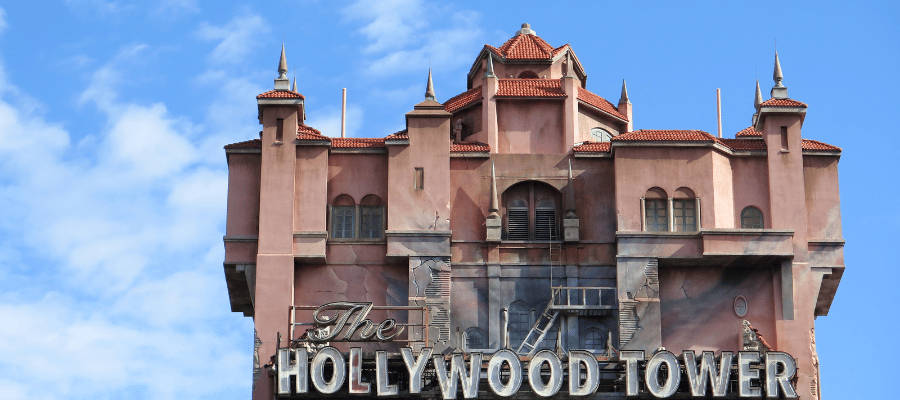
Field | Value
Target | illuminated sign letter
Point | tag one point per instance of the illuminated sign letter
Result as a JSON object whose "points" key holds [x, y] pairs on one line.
{"points": [[653, 374], [534, 373], [774, 379], [415, 367], [698, 379], [495, 369], [746, 375], [296, 368], [577, 358], [384, 388], [357, 386], [458, 372], [318, 370], [631, 359]]}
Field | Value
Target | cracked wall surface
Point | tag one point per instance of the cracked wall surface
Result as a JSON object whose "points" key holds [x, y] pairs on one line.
{"points": [[697, 306]]}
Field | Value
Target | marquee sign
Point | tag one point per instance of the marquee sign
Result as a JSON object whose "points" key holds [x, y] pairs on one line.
{"points": [[302, 370], [328, 371]]}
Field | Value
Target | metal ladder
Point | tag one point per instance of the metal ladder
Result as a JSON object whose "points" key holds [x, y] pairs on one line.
{"points": [[539, 330], [544, 322]]}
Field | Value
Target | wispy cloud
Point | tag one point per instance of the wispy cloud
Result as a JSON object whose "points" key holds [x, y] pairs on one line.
{"points": [[403, 37], [3, 23], [236, 38], [123, 225]]}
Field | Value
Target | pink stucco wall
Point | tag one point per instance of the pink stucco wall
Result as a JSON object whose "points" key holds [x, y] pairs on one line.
{"points": [[531, 127], [820, 179], [750, 187]]}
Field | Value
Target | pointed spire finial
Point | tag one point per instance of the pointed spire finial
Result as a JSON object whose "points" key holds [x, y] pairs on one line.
{"points": [[758, 98], [494, 207], [570, 66], [429, 89], [623, 98], [294, 87], [489, 71], [282, 64], [282, 82], [779, 91], [776, 74]]}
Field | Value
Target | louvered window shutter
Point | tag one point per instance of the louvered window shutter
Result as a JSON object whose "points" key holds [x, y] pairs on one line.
{"points": [[545, 223], [518, 223]]}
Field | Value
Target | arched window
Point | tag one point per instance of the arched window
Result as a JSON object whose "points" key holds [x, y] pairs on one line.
{"points": [[343, 211], [600, 135], [684, 210], [751, 218], [474, 339], [656, 217], [371, 217], [531, 212], [593, 339], [528, 75], [519, 323], [352, 221]]}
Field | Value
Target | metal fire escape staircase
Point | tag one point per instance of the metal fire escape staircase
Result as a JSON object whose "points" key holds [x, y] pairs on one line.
{"points": [[583, 301]]}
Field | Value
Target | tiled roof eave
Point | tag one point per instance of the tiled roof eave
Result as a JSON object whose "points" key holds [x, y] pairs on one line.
{"points": [[593, 107], [593, 154], [470, 154], [792, 110], [812, 152], [358, 150], [514, 97]]}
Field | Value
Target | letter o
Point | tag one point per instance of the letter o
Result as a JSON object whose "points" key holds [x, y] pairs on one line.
{"points": [[654, 367], [515, 373], [534, 373], [318, 370]]}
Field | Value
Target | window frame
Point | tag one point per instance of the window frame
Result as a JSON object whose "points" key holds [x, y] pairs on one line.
{"points": [[761, 216], [666, 207], [528, 202], [357, 214]]}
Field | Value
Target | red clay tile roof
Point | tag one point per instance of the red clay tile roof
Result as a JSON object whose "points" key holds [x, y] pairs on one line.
{"points": [[249, 144], [560, 49], [357, 143], [599, 102], [469, 147], [749, 131], [665, 135], [309, 133], [524, 47], [463, 99], [592, 147], [280, 94], [530, 87], [744, 144], [809, 144], [782, 103], [402, 135]]}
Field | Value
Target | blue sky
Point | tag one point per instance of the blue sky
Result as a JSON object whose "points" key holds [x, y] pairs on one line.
{"points": [[113, 115]]}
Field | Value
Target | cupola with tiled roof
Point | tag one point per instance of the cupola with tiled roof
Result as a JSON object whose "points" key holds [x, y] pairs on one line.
{"points": [[525, 54]]}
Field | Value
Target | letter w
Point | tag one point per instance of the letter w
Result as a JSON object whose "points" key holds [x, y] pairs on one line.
{"points": [[458, 372], [699, 379]]}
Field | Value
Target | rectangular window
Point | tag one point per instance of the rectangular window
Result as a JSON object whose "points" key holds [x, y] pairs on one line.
{"points": [[657, 219], [685, 214], [279, 130], [342, 226], [784, 138], [420, 178], [371, 225]]}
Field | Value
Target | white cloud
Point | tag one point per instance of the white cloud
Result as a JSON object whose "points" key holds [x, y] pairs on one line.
{"points": [[236, 38], [402, 38], [3, 23], [126, 225]]}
